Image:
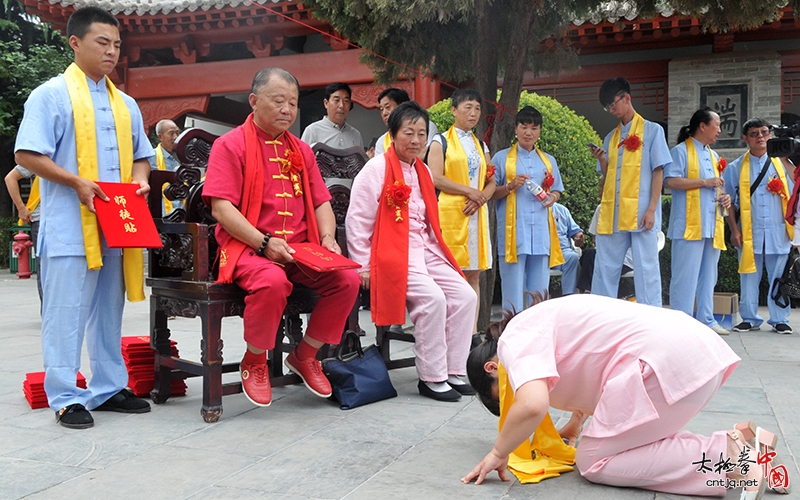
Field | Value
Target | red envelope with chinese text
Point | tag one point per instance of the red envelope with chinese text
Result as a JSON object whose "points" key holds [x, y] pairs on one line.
{"points": [[320, 258], [125, 219]]}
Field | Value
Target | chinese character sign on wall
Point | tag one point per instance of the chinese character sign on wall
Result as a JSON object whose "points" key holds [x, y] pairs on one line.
{"points": [[730, 103]]}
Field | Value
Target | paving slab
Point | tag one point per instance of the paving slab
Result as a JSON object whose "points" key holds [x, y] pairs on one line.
{"points": [[305, 448]]}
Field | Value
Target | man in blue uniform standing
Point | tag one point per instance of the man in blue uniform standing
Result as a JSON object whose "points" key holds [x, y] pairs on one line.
{"points": [[761, 235], [78, 129], [631, 163]]}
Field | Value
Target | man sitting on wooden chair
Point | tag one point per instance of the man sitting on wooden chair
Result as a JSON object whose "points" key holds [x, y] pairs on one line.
{"points": [[265, 189]]}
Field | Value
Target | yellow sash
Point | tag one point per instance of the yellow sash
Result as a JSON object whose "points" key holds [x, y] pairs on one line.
{"points": [[556, 256], [162, 165], [33, 199], [629, 182], [747, 264], [86, 145], [545, 455], [455, 225], [694, 227], [387, 142]]}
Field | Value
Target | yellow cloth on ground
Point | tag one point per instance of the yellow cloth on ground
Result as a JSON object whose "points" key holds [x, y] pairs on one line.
{"points": [[33, 199], [162, 165], [545, 455], [455, 225], [387, 141], [747, 264], [86, 145], [628, 219], [694, 226], [556, 256]]}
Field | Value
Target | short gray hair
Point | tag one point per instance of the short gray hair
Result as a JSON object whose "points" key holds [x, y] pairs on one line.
{"points": [[262, 78], [163, 123]]}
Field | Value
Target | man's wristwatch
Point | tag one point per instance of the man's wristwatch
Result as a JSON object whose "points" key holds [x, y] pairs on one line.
{"points": [[263, 247]]}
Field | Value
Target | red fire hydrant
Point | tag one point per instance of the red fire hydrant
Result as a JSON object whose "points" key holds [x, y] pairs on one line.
{"points": [[22, 242]]}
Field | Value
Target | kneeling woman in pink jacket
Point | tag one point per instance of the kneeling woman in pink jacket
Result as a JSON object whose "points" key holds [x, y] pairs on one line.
{"points": [[642, 372]]}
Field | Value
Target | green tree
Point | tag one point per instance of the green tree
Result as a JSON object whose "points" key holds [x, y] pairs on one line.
{"points": [[476, 41], [30, 53]]}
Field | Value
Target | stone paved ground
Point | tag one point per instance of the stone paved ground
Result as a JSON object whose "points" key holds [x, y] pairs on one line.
{"points": [[303, 447]]}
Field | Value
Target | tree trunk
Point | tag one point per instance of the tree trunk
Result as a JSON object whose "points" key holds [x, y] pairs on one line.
{"points": [[486, 61], [503, 129]]}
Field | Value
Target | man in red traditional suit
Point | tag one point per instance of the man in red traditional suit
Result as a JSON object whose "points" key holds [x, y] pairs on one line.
{"points": [[266, 191]]}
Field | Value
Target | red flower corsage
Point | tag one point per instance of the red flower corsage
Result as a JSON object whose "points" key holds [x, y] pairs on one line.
{"points": [[295, 161], [548, 181], [490, 171], [397, 196], [631, 143], [775, 186], [293, 165], [722, 164]]}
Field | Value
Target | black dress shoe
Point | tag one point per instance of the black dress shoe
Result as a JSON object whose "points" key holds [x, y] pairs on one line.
{"points": [[463, 389], [74, 416], [124, 402], [426, 391]]}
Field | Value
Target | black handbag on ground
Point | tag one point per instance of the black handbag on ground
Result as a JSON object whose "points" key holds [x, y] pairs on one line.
{"points": [[787, 286], [357, 376]]}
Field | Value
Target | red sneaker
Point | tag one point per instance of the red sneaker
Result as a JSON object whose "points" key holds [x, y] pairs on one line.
{"points": [[255, 382], [310, 370]]}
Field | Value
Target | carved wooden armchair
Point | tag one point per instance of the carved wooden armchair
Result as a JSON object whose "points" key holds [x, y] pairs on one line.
{"points": [[181, 277]]}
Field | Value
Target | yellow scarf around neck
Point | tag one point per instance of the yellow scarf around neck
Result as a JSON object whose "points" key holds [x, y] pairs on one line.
{"points": [[556, 256], [747, 264], [387, 141], [455, 225], [162, 165], [694, 226], [86, 145], [628, 185], [545, 455], [33, 199]]}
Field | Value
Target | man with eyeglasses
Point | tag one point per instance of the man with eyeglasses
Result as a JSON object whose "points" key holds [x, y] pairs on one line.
{"points": [[165, 158], [759, 187], [631, 164]]}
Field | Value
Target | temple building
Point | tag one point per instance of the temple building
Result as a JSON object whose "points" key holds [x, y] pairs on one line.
{"points": [[193, 61]]}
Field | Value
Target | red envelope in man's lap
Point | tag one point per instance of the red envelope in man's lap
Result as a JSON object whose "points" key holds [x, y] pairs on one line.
{"points": [[320, 258]]}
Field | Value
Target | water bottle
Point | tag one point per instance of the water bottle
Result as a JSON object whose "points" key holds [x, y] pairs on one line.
{"points": [[536, 190]]}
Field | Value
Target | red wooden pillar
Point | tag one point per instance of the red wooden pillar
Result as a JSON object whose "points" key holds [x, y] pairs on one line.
{"points": [[426, 91]]}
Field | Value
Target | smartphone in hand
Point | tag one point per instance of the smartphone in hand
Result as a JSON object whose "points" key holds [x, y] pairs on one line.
{"points": [[592, 146]]}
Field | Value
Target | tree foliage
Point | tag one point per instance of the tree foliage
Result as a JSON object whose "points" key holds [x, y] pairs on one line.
{"points": [[476, 41], [21, 71], [30, 53]]}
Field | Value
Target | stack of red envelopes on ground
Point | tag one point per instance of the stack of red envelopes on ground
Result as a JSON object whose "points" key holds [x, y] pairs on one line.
{"points": [[139, 359], [33, 387]]}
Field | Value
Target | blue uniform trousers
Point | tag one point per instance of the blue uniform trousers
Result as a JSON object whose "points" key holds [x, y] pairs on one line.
{"points": [[530, 273], [748, 304], [611, 249], [694, 274], [569, 271], [77, 301]]}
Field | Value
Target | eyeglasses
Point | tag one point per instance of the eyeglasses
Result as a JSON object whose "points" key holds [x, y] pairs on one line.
{"points": [[753, 134], [613, 105]]}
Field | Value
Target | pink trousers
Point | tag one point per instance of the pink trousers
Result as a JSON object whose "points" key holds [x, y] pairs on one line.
{"points": [[658, 455], [268, 285], [442, 307]]}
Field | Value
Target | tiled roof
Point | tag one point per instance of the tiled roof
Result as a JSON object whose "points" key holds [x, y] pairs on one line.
{"points": [[152, 7], [616, 10]]}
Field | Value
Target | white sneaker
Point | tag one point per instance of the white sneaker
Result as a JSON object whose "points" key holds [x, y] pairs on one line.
{"points": [[719, 330]]}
